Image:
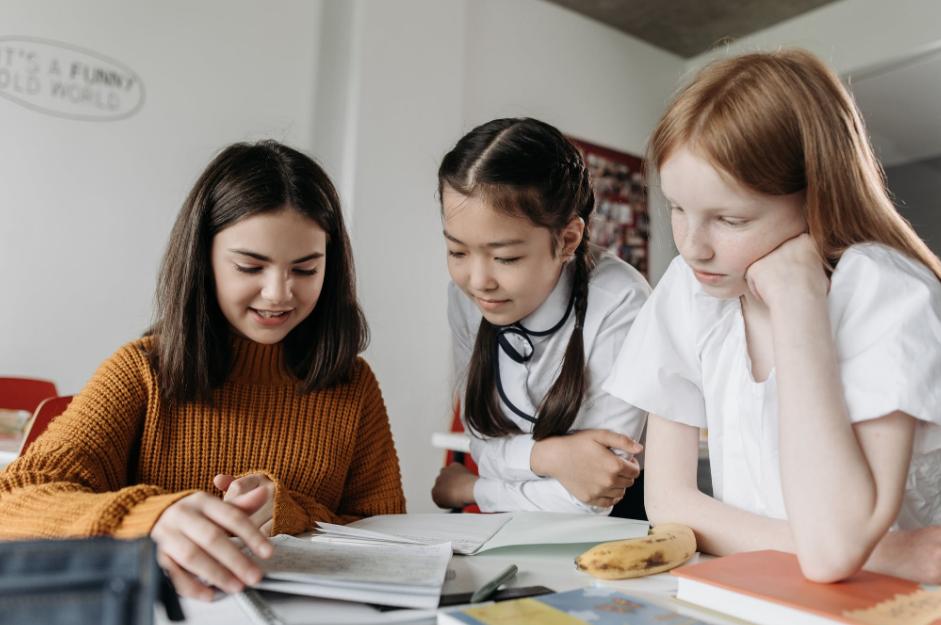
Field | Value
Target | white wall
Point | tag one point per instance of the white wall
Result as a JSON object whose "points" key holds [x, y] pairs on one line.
{"points": [[86, 207]]}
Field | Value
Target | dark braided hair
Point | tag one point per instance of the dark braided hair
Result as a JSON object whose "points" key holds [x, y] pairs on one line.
{"points": [[525, 167]]}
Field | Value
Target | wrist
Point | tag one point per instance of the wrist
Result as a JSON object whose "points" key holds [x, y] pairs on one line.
{"points": [[469, 498], [539, 461]]}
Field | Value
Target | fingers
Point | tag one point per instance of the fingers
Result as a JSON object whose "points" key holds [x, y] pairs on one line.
{"points": [[222, 560], [252, 501], [222, 481], [194, 532], [244, 485], [629, 469], [182, 546], [248, 503], [266, 527], [233, 516], [614, 440], [184, 582]]}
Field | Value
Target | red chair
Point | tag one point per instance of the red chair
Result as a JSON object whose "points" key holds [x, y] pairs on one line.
{"points": [[48, 410], [25, 393]]}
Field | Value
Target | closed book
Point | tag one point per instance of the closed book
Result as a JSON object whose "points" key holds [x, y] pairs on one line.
{"points": [[595, 605], [768, 588]]}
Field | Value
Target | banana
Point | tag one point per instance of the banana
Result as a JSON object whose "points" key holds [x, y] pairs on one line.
{"points": [[667, 546]]}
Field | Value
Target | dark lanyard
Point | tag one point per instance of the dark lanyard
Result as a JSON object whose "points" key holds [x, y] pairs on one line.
{"points": [[503, 343]]}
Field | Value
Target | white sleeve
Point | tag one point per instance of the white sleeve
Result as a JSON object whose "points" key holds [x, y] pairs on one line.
{"points": [[601, 409], [658, 368], [886, 313], [545, 494], [505, 457]]}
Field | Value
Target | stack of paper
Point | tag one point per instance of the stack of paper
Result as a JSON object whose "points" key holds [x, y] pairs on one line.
{"points": [[476, 533], [380, 572]]}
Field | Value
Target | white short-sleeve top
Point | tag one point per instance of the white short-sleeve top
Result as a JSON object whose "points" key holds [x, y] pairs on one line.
{"points": [[686, 359], [616, 292]]}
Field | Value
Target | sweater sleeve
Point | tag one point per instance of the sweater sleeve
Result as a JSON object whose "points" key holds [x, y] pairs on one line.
{"points": [[374, 482], [73, 480]]}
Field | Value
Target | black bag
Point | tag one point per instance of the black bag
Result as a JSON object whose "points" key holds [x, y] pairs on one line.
{"points": [[83, 582]]}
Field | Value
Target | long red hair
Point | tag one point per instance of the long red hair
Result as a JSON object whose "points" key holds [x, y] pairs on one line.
{"points": [[780, 123]]}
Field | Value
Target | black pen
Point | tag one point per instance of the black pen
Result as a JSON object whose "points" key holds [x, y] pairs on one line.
{"points": [[486, 591]]}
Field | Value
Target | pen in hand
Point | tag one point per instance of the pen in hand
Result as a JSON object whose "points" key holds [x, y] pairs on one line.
{"points": [[486, 591]]}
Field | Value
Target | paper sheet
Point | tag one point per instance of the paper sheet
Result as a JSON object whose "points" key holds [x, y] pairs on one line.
{"points": [[553, 528], [476, 533], [405, 575], [466, 532]]}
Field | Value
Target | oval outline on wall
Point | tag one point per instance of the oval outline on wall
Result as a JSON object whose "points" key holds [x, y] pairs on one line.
{"points": [[26, 103]]}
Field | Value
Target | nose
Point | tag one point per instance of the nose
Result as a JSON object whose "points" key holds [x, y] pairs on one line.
{"points": [[481, 276], [276, 288], [696, 243]]}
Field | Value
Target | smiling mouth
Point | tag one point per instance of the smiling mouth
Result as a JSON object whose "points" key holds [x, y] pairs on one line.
{"points": [[271, 314]]}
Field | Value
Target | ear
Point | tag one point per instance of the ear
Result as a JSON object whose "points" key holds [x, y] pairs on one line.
{"points": [[570, 237]]}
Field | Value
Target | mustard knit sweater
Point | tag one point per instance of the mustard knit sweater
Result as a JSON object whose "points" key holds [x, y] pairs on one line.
{"points": [[117, 457]]}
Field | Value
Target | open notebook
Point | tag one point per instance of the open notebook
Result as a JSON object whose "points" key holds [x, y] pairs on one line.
{"points": [[385, 573], [476, 533]]}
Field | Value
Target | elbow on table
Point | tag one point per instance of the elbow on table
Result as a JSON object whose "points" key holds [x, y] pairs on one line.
{"points": [[833, 561]]}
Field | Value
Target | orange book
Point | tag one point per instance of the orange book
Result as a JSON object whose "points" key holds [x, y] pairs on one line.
{"points": [[768, 588]]}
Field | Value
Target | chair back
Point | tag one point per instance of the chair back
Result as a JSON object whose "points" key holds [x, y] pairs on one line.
{"points": [[48, 410], [25, 393]]}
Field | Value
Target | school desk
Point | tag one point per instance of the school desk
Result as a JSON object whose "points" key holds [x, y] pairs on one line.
{"points": [[552, 567]]}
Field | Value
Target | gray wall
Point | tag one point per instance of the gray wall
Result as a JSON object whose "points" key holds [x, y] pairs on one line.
{"points": [[916, 190]]}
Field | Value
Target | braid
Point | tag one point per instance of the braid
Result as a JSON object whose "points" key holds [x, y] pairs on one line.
{"points": [[482, 412]]}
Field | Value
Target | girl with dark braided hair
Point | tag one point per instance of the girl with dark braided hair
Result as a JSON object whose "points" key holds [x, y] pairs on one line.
{"points": [[537, 316]]}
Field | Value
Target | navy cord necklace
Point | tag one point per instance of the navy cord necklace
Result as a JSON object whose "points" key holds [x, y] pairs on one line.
{"points": [[503, 343]]}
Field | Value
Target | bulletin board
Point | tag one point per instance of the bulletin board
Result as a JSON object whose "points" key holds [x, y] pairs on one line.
{"points": [[621, 221]]}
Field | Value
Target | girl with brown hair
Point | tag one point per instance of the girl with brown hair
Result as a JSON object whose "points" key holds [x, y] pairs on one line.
{"points": [[536, 317], [248, 383], [800, 324]]}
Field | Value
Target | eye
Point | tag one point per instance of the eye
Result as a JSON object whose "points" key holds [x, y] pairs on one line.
{"points": [[455, 254], [305, 272], [733, 221], [508, 261], [245, 269], [675, 208]]}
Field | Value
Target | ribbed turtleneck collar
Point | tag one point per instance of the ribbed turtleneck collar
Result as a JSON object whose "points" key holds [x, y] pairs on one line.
{"points": [[259, 364]]}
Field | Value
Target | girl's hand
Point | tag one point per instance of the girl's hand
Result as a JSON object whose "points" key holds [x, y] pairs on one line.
{"points": [[233, 488], [193, 543], [792, 269], [587, 464], [454, 487]]}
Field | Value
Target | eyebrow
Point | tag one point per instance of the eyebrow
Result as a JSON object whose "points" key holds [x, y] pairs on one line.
{"points": [[262, 257], [491, 245]]}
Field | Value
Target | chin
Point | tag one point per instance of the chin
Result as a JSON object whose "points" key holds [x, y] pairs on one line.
{"points": [[264, 338], [724, 292], [504, 319]]}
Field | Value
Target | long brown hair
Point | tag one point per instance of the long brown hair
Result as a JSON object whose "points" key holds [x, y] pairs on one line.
{"points": [[780, 123], [527, 168], [191, 350]]}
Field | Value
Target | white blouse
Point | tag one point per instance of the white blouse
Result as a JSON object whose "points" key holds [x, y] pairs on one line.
{"points": [[616, 293], [686, 359]]}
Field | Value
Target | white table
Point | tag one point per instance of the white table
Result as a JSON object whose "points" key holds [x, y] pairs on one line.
{"points": [[538, 566]]}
